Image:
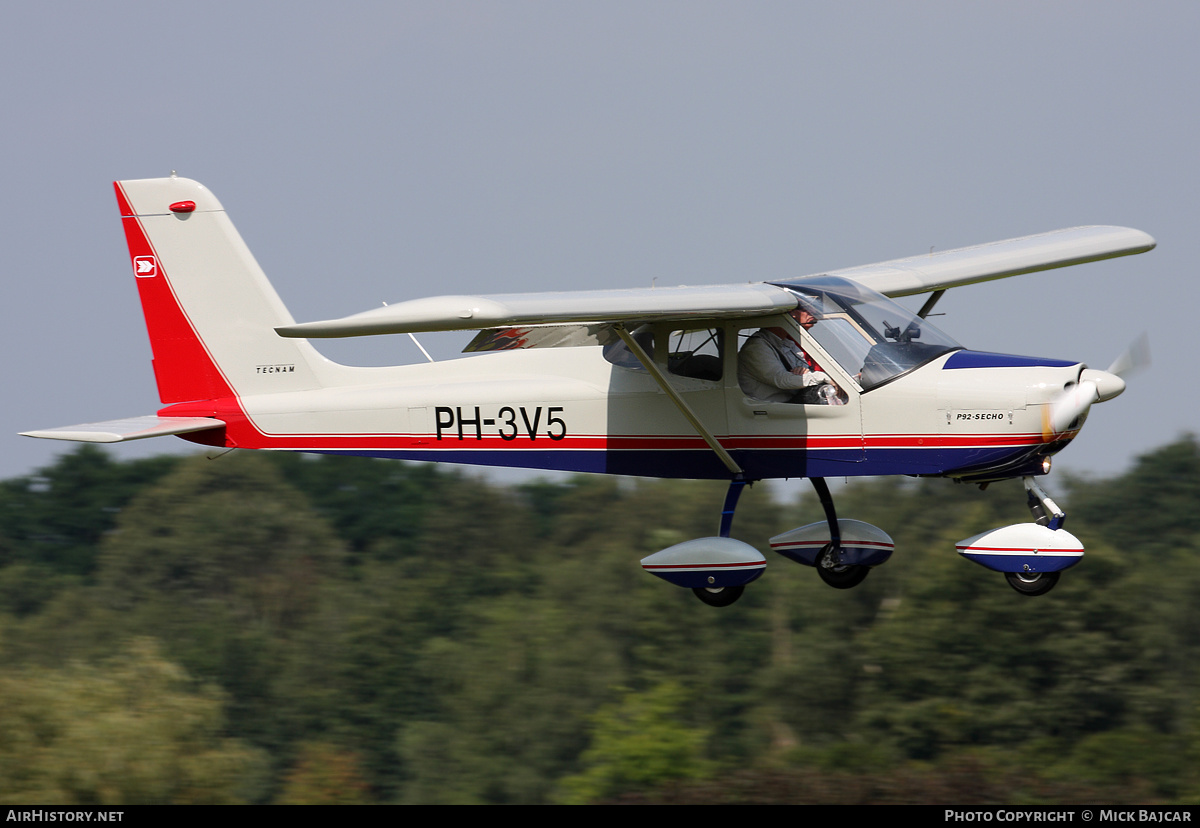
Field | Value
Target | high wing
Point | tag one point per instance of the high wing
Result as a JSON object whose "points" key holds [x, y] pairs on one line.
{"points": [[898, 277], [458, 313], [998, 260]]}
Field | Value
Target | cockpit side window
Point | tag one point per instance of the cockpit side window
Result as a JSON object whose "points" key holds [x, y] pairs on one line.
{"points": [[696, 353], [619, 355], [779, 363]]}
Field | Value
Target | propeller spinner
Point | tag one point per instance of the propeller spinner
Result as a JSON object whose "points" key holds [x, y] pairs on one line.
{"points": [[1097, 386]]}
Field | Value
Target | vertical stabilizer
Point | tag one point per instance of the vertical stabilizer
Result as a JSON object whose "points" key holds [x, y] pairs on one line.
{"points": [[210, 311]]}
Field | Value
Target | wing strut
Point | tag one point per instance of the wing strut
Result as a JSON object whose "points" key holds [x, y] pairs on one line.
{"points": [[684, 409], [926, 308]]}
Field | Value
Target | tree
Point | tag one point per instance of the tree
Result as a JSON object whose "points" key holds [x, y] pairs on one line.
{"points": [[324, 774], [132, 730], [639, 742], [52, 522], [225, 563]]}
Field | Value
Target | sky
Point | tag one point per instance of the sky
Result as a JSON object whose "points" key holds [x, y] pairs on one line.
{"points": [[382, 151]]}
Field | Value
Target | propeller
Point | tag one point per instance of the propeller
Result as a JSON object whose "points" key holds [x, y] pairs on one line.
{"points": [[1097, 386]]}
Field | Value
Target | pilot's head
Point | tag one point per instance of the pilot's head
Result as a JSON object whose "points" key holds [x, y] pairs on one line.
{"points": [[804, 317]]}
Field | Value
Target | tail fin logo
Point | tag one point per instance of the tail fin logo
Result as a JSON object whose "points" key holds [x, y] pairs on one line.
{"points": [[145, 266]]}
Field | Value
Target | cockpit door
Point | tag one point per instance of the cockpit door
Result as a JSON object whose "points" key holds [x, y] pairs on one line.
{"points": [[787, 439]]}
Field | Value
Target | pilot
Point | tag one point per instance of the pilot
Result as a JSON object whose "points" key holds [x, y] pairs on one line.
{"points": [[772, 366]]}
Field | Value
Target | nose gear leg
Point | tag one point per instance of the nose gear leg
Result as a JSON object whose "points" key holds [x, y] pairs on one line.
{"points": [[1045, 511]]}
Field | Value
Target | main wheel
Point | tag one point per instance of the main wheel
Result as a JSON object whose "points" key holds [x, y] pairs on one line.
{"points": [[719, 597], [840, 576], [844, 576], [1032, 583]]}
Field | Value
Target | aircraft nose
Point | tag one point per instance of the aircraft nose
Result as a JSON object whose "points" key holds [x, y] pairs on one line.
{"points": [[1107, 385]]}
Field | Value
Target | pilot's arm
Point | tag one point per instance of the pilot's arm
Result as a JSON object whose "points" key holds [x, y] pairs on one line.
{"points": [[770, 369]]}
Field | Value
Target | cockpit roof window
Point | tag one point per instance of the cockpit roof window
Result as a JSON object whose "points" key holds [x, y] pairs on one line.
{"points": [[871, 336]]}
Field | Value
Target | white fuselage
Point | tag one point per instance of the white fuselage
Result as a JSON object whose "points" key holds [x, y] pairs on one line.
{"points": [[571, 409]]}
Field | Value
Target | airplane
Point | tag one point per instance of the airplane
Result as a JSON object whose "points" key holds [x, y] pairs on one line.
{"points": [[641, 381]]}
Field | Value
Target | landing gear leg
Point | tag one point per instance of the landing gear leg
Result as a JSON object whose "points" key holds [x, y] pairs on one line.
{"points": [[829, 561], [1045, 513], [724, 596], [736, 485]]}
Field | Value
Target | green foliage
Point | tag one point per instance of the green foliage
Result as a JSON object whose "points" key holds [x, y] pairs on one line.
{"points": [[1134, 759], [639, 742], [324, 775], [440, 768], [1162, 487], [385, 632], [52, 522], [376, 507], [958, 658], [231, 537], [131, 731]]}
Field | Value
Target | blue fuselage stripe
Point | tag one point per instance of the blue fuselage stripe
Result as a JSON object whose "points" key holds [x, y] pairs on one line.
{"points": [[704, 464], [984, 359]]}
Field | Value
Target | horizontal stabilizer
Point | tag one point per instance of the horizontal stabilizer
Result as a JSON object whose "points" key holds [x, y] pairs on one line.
{"points": [[121, 431]]}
